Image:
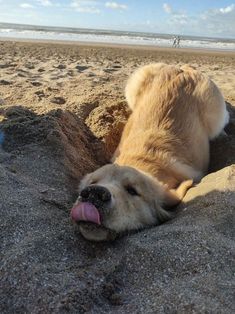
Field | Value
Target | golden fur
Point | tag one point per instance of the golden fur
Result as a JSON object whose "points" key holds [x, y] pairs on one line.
{"points": [[164, 147]]}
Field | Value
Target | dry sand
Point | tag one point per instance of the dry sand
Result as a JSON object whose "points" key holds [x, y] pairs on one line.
{"points": [[62, 109]]}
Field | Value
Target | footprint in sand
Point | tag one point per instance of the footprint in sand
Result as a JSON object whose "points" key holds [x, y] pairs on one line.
{"points": [[4, 82], [116, 66], [61, 66], [100, 80], [113, 68], [82, 68], [36, 83], [57, 77], [7, 65], [70, 73], [29, 66], [52, 89], [40, 94], [91, 74], [35, 77], [41, 70], [21, 75], [58, 100]]}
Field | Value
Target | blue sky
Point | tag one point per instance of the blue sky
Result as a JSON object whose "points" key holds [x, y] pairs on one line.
{"points": [[202, 17]]}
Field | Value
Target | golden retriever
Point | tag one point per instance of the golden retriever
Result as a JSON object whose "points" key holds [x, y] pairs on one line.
{"points": [[164, 148]]}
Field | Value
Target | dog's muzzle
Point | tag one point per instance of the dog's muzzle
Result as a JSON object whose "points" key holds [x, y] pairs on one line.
{"points": [[89, 212], [92, 205]]}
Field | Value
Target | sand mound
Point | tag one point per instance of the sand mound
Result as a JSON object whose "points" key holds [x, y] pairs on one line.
{"points": [[183, 266]]}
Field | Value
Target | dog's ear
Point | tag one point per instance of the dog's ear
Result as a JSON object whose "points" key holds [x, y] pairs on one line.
{"points": [[174, 196], [161, 214]]}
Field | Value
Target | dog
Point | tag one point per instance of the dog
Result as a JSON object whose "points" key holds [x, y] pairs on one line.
{"points": [[163, 151]]}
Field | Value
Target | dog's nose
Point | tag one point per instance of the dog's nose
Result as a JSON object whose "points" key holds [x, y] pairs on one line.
{"points": [[95, 193]]}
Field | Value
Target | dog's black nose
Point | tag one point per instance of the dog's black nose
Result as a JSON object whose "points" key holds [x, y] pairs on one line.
{"points": [[95, 193]]}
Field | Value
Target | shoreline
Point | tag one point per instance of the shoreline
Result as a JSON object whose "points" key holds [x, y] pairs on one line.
{"points": [[118, 46]]}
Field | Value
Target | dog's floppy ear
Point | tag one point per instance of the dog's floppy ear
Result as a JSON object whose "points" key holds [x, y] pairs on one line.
{"points": [[162, 214], [174, 196]]}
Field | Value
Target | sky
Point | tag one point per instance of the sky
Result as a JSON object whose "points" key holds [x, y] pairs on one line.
{"points": [[203, 17]]}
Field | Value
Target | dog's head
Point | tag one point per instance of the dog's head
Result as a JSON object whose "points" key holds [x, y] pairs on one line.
{"points": [[115, 199]]}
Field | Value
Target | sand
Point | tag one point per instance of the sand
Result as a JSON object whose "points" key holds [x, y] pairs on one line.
{"points": [[62, 110]]}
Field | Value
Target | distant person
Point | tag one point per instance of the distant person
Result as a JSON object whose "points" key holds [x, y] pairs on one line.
{"points": [[174, 42], [178, 42]]}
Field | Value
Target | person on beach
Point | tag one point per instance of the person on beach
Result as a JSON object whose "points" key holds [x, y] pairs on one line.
{"points": [[176, 42]]}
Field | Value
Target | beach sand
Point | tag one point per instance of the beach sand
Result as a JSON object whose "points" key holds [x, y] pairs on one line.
{"points": [[45, 76], [62, 110]]}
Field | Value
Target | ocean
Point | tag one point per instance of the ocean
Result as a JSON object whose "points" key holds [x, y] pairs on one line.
{"points": [[113, 37]]}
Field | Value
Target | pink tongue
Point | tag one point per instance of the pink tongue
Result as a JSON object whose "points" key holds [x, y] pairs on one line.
{"points": [[85, 212]]}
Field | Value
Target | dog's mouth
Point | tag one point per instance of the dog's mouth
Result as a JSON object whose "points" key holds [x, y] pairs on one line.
{"points": [[89, 221], [84, 211]]}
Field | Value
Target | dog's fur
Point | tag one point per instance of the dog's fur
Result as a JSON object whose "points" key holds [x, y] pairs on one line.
{"points": [[164, 147]]}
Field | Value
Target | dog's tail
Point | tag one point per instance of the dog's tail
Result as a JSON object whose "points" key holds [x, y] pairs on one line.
{"points": [[139, 81]]}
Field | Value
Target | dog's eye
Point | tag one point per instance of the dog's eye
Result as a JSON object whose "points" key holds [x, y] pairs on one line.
{"points": [[131, 190], [93, 182]]}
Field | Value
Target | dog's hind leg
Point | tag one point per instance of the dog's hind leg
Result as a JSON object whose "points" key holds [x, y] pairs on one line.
{"points": [[214, 112]]}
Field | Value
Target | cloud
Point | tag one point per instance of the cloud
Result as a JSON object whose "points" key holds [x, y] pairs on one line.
{"points": [[228, 9], [177, 18], [85, 6], [218, 22], [167, 8], [45, 3], [180, 19], [115, 6], [26, 6]]}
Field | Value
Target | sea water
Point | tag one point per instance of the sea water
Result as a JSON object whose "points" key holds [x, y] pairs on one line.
{"points": [[112, 37]]}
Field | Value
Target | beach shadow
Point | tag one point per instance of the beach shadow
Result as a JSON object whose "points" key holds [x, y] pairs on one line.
{"points": [[215, 207], [222, 149], [63, 137]]}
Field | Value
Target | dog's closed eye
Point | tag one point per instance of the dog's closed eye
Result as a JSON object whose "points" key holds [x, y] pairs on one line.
{"points": [[93, 182], [131, 190]]}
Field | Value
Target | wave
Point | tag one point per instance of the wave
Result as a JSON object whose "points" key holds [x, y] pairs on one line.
{"points": [[116, 37]]}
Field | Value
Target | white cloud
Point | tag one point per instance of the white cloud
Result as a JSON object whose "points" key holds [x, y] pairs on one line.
{"points": [[26, 6], [215, 22], [176, 18], [218, 22], [180, 19], [167, 8], [115, 6], [45, 3], [85, 6], [228, 9]]}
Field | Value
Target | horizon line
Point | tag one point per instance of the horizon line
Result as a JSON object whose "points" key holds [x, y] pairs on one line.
{"points": [[116, 30]]}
